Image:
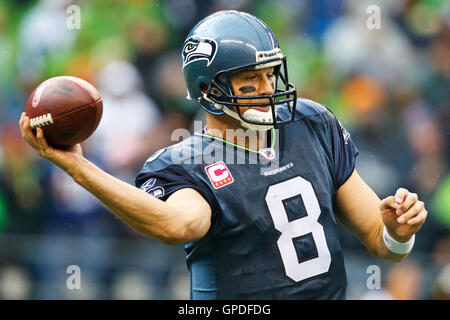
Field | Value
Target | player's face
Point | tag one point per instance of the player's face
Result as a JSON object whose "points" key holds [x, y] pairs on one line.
{"points": [[253, 83]]}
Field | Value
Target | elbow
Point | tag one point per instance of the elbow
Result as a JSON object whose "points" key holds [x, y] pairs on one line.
{"points": [[185, 231], [183, 234], [168, 236], [172, 240], [173, 236], [179, 231]]}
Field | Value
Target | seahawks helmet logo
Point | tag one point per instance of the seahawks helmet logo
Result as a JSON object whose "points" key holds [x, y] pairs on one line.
{"points": [[198, 48]]}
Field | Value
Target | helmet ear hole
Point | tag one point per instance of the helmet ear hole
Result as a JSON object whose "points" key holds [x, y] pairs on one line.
{"points": [[204, 87]]}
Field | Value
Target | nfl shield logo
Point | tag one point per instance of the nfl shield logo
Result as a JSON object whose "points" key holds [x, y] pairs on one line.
{"points": [[268, 153]]}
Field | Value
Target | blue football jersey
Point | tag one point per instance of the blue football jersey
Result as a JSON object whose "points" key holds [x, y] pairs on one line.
{"points": [[273, 232]]}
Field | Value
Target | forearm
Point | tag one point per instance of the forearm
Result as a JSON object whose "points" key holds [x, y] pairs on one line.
{"points": [[372, 239], [141, 211]]}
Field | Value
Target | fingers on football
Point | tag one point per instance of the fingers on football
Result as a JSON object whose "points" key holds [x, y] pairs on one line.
{"points": [[37, 141], [21, 124], [27, 134], [414, 211], [41, 143], [21, 119], [41, 139]]}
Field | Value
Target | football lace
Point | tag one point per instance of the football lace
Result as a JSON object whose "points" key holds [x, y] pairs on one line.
{"points": [[41, 121]]}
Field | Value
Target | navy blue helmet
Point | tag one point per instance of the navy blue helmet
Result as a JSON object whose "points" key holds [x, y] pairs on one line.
{"points": [[223, 44]]}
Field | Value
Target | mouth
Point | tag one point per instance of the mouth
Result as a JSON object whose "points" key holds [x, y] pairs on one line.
{"points": [[262, 108]]}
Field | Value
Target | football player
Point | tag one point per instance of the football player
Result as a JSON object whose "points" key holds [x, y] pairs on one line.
{"points": [[258, 219]]}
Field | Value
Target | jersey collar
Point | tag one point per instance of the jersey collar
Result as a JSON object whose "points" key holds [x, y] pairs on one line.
{"points": [[268, 153]]}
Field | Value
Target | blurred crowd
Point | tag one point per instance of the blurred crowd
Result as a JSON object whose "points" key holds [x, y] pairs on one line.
{"points": [[388, 85]]}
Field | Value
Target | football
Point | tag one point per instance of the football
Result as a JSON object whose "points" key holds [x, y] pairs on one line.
{"points": [[68, 109]]}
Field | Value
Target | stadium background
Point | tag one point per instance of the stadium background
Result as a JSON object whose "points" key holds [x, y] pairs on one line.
{"points": [[388, 86]]}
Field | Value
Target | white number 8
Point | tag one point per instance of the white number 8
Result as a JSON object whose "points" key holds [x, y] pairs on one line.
{"points": [[296, 270]]}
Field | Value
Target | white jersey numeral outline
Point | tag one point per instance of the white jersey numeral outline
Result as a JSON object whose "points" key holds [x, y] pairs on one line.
{"points": [[298, 271]]}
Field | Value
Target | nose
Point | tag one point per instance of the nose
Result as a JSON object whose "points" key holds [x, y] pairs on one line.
{"points": [[267, 86]]}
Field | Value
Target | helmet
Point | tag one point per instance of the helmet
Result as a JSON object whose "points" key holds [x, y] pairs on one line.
{"points": [[223, 44]]}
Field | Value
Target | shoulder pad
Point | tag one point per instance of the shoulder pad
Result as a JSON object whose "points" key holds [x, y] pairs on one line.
{"points": [[304, 108], [307, 108]]}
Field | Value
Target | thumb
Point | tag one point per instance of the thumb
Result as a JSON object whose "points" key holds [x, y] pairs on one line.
{"points": [[387, 203]]}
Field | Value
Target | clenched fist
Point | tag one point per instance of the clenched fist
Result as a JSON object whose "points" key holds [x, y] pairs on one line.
{"points": [[403, 214]]}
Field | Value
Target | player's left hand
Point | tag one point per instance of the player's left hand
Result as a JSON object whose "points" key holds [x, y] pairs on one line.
{"points": [[403, 214]]}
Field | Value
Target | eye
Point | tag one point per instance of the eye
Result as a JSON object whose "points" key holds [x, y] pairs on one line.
{"points": [[250, 77], [189, 47]]}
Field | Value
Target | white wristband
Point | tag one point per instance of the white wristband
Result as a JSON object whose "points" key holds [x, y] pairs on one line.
{"points": [[395, 246]]}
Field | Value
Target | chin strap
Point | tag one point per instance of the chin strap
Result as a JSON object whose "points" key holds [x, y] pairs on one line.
{"points": [[250, 114]]}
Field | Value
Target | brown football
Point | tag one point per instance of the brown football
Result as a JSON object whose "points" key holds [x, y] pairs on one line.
{"points": [[68, 109]]}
